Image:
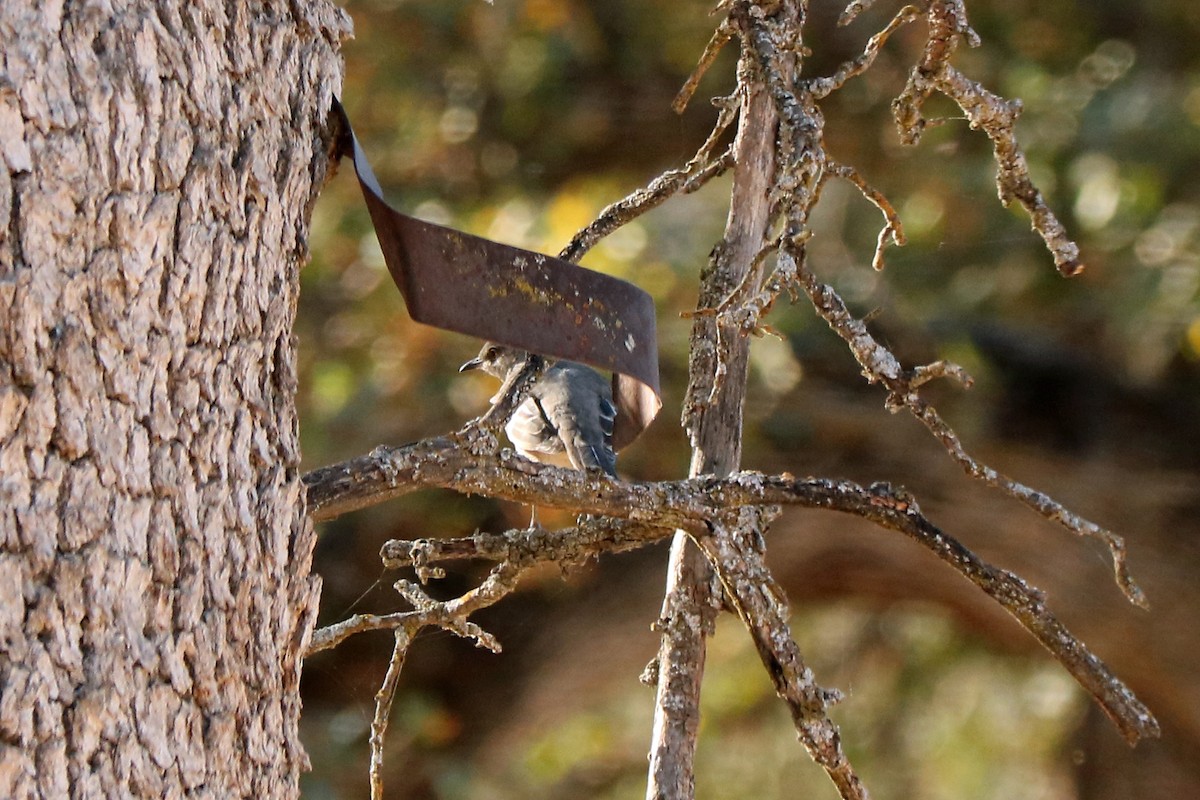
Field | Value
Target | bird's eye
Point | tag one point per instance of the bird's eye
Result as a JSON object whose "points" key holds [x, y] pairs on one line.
{"points": [[492, 354]]}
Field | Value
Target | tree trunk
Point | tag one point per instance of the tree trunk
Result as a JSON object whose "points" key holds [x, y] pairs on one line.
{"points": [[160, 163]]}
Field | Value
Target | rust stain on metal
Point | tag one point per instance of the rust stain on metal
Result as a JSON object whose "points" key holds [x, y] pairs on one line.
{"points": [[465, 283]]}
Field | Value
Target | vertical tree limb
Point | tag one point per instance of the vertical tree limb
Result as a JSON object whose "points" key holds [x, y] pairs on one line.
{"points": [[383, 708], [713, 418]]}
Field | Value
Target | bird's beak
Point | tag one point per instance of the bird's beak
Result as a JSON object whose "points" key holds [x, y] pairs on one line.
{"points": [[474, 363]]}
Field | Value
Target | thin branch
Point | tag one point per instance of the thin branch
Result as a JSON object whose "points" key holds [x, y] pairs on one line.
{"points": [[985, 110], [749, 283], [852, 11], [893, 230], [429, 613], [702, 168], [823, 87], [1040, 502], [451, 616], [654, 194], [383, 709], [720, 38], [880, 365], [1027, 605], [331, 636], [998, 117]]}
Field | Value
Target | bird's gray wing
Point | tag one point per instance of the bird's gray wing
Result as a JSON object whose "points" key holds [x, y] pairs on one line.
{"points": [[577, 401]]}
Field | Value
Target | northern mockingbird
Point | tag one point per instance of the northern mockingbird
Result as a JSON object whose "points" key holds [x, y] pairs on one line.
{"points": [[566, 420]]}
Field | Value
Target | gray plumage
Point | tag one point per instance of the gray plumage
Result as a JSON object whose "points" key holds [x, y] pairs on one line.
{"points": [[567, 417]]}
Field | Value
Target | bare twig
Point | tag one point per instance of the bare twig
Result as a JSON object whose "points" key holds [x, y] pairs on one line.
{"points": [[892, 230], [998, 117], [702, 168], [984, 110], [852, 11], [823, 87], [719, 39], [451, 616], [383, 709], [880, 365], [658, 191], [332, 635], [431, 614], [750, 283]]}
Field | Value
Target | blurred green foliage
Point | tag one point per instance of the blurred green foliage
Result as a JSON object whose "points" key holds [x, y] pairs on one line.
{"points": [[521, 120]]}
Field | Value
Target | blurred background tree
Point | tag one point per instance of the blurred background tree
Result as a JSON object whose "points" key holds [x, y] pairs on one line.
{"points": [[521, 120]]}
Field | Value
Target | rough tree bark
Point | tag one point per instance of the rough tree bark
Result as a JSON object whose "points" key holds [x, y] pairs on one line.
{"points": [[160, 160]]}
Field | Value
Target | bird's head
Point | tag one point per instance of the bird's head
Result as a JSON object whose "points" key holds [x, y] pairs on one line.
{"points": [[495, 359]]}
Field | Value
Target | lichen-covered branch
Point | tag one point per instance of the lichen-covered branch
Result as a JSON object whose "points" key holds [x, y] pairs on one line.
{"points": [[702, 168], [997, 118], [881, 366], [717, 368], [566, 547], [655, 509], [985, 111], [823, 87], [804, 165], [451, 615], [852, 10]]}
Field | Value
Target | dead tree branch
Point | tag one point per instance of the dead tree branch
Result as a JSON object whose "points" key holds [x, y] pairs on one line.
{"points": [[702, 168], [984, 110], [656, 509], [383, 708], [881, 366], [720, 38]]}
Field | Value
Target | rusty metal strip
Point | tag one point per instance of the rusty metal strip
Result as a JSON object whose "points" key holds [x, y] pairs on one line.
{"points": [[464, 283]]}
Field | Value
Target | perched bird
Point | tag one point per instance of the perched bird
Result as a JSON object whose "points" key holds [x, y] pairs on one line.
{"points": [[568, 417]]}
